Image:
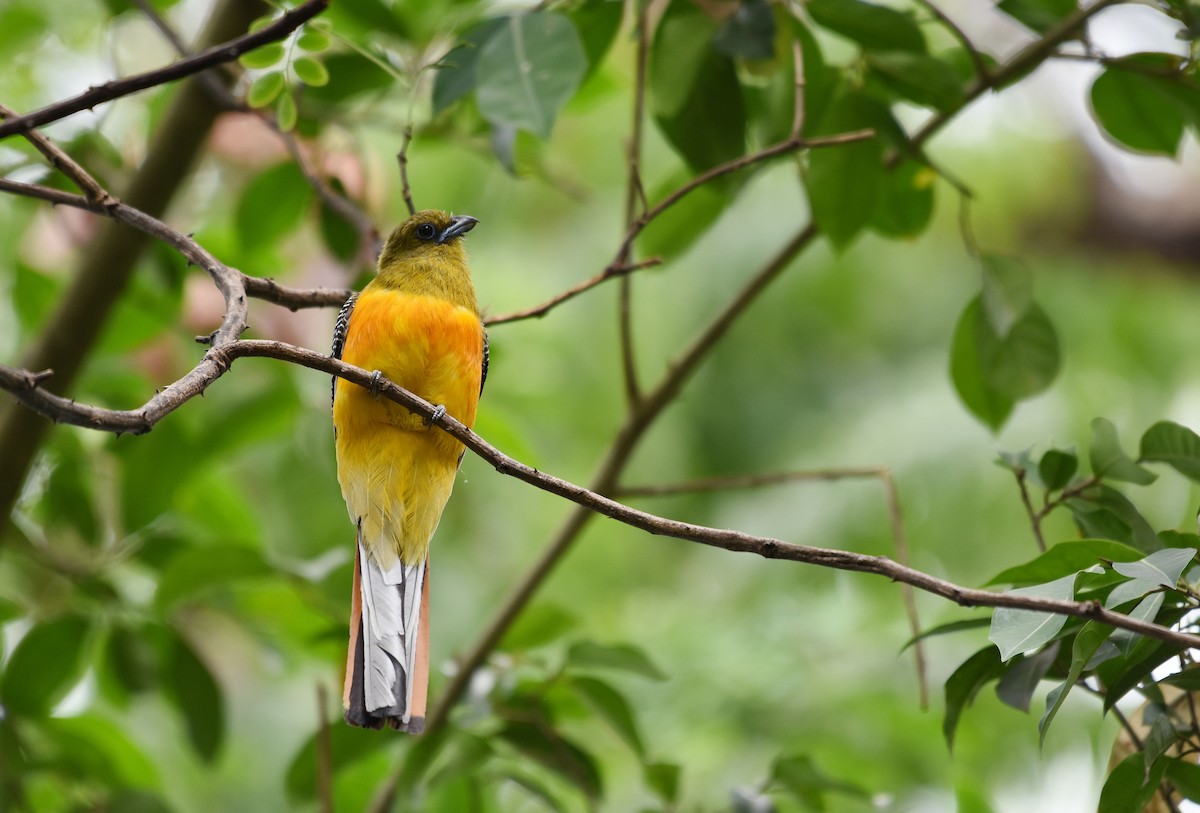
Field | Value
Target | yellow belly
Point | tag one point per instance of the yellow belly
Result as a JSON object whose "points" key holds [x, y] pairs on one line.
{"points": [[396, 473]]}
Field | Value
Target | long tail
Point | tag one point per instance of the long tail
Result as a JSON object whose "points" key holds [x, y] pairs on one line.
{"points": [[387, 665]]}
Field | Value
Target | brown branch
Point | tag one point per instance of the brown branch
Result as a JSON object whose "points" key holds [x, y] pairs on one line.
{"points": [[62, 162], [211, 57], [736, 541], [541, 310]]}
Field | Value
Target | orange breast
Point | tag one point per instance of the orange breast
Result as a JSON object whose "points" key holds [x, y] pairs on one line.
{"points": [[426, 345]]}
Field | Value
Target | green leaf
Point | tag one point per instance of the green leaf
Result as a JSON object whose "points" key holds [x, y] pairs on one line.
{"points": [[528, 69], [1015, 631], [546, 746], [844, 182], [905, 205], [1138, 109], [131, 658], [1161, 737], [536, 788], [1104, 512], [33, 295], [1039, 15], [1184, 776], [350, 74], [263, 57], [311, 71], [92, 747], [920, 78], [456, 71], [1066, 558], [1128, 788], [314, 41], [1187, 680], [875, 28], [265, 89], [44, 665], [965, 683], [800, 776], [966, 371], [1007, 292], [613, 707], [272, 204], [663, 779], [1056, 468], [339, 234], [1146, 610], [285, 112], [946, 629], [1021, 679], [748, 33], [541, 624], [349, 745], [1162, 567], [1089, 638], [624, 657], [695, 95], [1022, 363], [1109, 459], [194, 570], [1175, 445], [191, 687], [597, 24], [1122, 675]]}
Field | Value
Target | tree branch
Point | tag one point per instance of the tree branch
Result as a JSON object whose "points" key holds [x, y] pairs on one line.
{"points": [[216, 55], [222, 358]]}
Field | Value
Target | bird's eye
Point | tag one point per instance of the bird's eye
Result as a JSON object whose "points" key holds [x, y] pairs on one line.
{"points": [[426, 231]]}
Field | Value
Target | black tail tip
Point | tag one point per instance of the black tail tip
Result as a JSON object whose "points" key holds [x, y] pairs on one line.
{"points": [[361, 718]]}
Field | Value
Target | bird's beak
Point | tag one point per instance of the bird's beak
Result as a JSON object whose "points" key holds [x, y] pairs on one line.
{"points": [[458, 227]]}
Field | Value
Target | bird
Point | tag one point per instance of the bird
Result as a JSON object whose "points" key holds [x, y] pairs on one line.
{"points": [[417, 324]]}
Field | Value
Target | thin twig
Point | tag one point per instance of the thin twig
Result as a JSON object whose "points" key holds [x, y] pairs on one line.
{"points": [[1035, 517], [895, 520], [218, 54], [402, 159], [64, 163], [981, 69], [635, 198], [324, 752], [541, 310]]}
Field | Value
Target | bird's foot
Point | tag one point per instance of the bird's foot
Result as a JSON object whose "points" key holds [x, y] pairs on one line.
{"points": [[376, 377], [439, 412]]}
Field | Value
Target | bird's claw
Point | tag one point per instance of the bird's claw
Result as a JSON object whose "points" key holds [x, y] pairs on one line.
{"points": [[376, 377], [439, 412]]}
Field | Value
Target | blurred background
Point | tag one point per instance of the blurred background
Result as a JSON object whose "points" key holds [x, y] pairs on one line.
{"points": [[204, 569]]}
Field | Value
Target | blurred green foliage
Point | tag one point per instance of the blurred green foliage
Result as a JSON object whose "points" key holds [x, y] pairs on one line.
{"points": [[174, 606]]}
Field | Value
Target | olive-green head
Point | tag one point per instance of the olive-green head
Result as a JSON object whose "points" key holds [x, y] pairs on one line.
{"points": [[424, 255]]}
